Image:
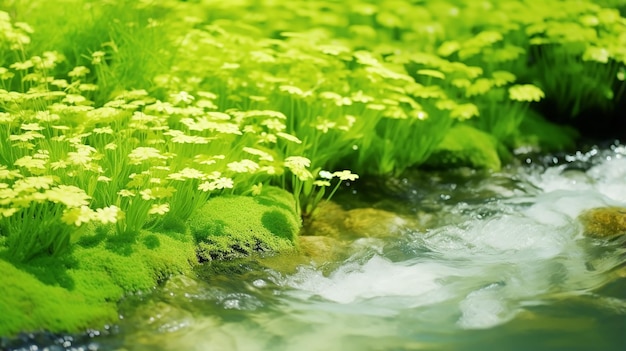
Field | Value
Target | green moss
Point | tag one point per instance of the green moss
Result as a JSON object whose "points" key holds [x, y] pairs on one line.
{"points": [[467, 146], [234, 226], [543, 136], [81, 289]]}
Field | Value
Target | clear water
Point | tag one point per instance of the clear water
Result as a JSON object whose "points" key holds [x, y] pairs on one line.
{"points": [[501, 265]]}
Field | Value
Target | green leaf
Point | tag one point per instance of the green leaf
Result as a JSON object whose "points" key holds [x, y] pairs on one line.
{"points": [[448, 48], [431, 73], [389, 20]]}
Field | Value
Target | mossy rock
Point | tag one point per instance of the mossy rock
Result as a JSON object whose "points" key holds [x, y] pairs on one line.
{"points": [[465, 146], [604, 222], [540, 135], [228, 227], [331, 220], [81, 289]]}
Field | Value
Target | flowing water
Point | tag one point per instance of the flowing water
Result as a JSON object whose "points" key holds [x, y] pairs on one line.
{"points": [[479, 261]]}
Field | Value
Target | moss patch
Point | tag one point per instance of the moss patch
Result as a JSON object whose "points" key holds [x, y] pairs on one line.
{"points": [[544, 136], [80, 290], [467, 146], [228, 227]]}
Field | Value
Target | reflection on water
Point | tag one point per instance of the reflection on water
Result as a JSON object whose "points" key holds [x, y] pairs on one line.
{"points": [[503, 265]]}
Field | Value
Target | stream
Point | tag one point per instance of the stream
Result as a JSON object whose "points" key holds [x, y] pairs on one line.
{"points": [[472, 261]]}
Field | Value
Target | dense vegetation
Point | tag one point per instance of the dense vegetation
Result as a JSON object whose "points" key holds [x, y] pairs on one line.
{"points": [[130, 115]]}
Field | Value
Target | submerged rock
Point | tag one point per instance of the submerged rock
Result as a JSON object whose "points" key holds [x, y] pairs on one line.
{"points": [[320, 249], [604, 222], [332, 220]]}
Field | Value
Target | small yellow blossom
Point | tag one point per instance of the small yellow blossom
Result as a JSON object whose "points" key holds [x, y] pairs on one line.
{"points": [[146, 194], [243, 166], [159, 209], [346, 175], [8, 212], [257, 189], [104, 179], [68, 195], [78, 215], [79, 71], [107, 214], [297, 162], [187, 173], [126, 193]]}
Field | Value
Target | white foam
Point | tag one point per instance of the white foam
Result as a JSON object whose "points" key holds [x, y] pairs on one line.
{"points": [[377, 277]]}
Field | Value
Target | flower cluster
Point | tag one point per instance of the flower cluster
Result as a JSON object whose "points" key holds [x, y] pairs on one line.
{"points": [[126, 133]]}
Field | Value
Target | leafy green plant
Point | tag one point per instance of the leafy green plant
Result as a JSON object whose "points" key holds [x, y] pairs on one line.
{"points": [[149, 111]]}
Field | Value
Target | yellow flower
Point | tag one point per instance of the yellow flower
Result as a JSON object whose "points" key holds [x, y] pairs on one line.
{"points": [[68, 195], [326, 175], [181, 138], [325, 125], [321, 183], [8, 194], [274, 124], [79, 71], [97, 56], [31, 126], [218, 184], [525, 92], [107, 214], [187, 173], [77, 215], [346, 175], [243, 166], [257, 189], [9, 174], [104, 179], [183, 97], [126, 193], [43, 182], [30, 163], [146, 194], [140, 154], [8, 212], [58, 165], [29, 135], [297, 162], [22, 66], [159, 209], [103, 130]]}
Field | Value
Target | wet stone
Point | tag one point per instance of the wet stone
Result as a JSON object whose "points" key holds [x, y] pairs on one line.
{"points": [[331, 220], [604, 222]]}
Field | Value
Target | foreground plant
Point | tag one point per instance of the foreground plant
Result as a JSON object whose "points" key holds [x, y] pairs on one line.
{"points": [[249, 102]]}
